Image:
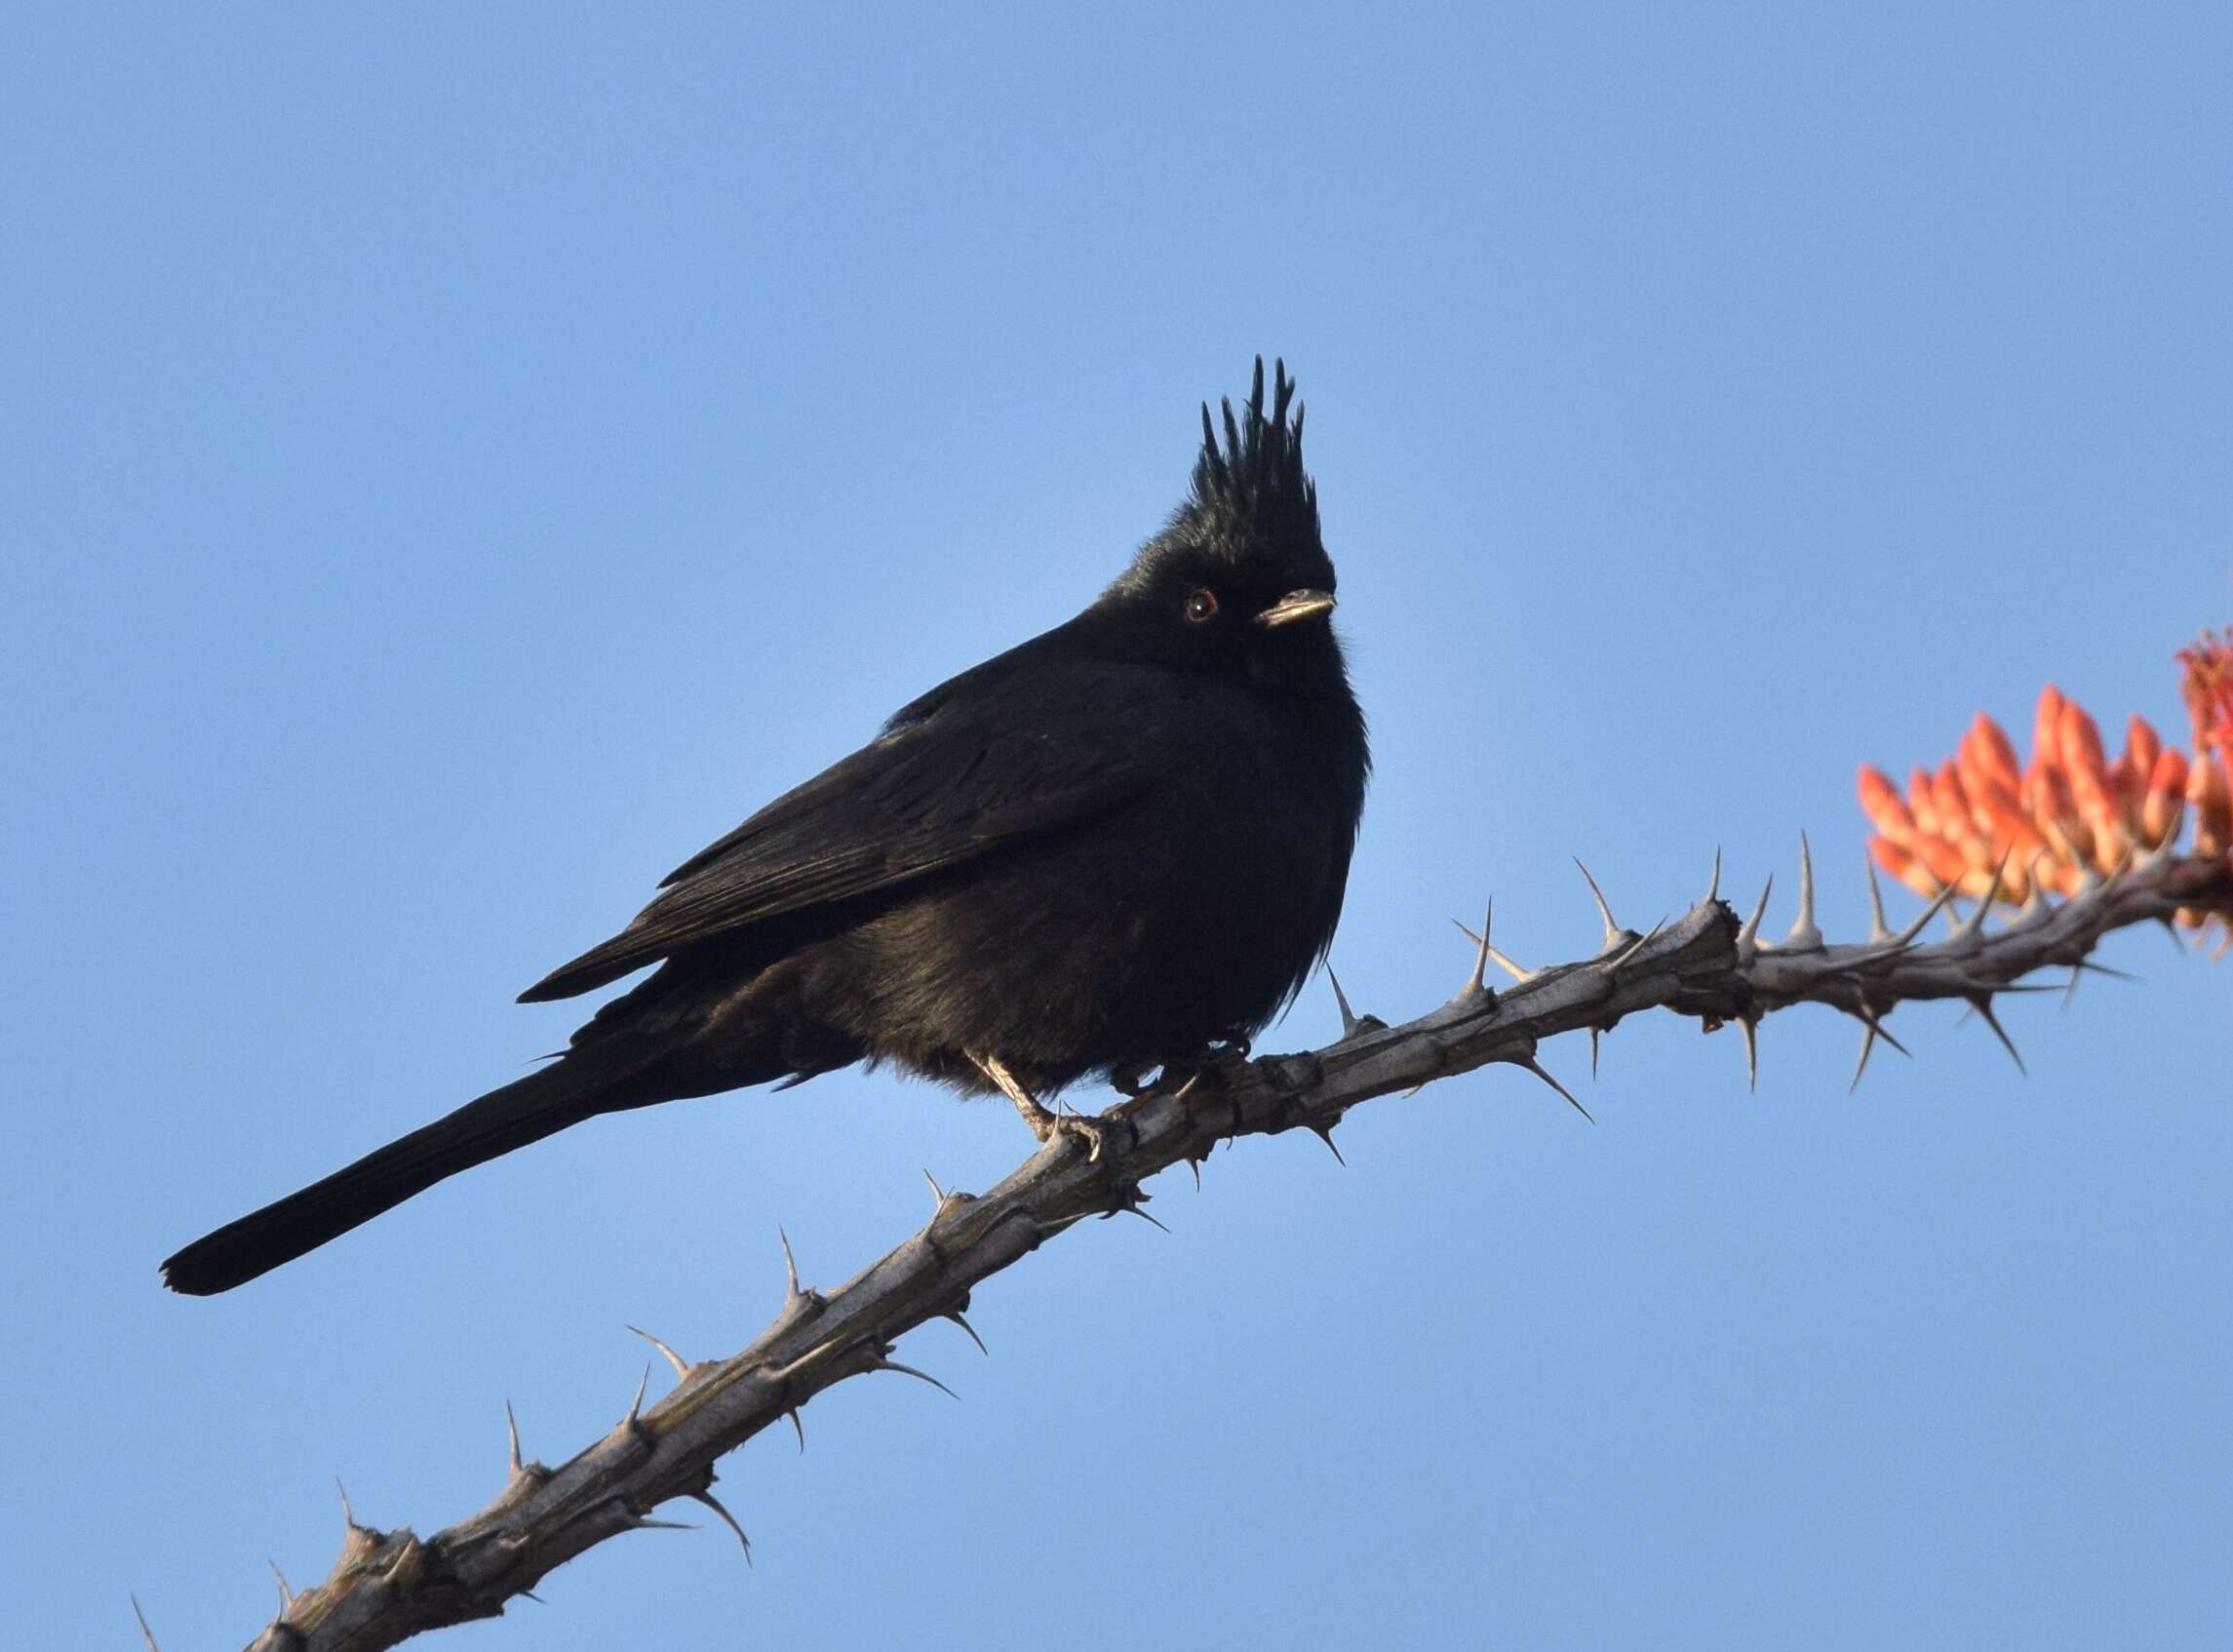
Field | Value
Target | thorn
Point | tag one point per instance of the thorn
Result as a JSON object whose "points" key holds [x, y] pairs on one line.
{"points": [[1325, 1133], [790, 1267], [1872, 1030], [954, 1314], [1713, 888], [348, 1514], [1982, 1003], [1938, 904], [2071, 991], [1878, 930], [531, 1595], [1475, 984], [636, 1405], [729, 1520], [286, 1594], [1751, 1029], [410, 1560], [1514, 970], [1613, 930], [146, 1633], [1195, 1164], [1975, 927], [1592, 1055], [1637, 945], [2092, 969], [883, 1365], [1129, 1200], [1870, 1016], [1867, 1044], [644, 1522], [682, 1365], [512, 1428], [1536, 1067], [937, 1193], [1748, 937], [799, 1429], [1806, 935], [1349, 1022]]}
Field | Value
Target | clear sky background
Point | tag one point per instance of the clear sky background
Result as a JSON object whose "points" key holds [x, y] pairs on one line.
{"points": [[460, 460]]}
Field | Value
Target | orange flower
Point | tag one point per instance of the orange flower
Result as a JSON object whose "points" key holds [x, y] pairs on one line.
{"points": [[2208, 689], [2163, 811], [2208, 795], [2071, 813], [1880, 799]]}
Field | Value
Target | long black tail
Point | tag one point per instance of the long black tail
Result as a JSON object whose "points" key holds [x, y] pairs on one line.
{"points": [[579, 1087]]}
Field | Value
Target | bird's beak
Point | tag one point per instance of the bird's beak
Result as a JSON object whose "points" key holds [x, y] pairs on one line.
{"points": [[1296, 604]]}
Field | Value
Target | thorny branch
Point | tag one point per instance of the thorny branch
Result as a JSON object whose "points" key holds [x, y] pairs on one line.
{"points": [[390, 1585]]}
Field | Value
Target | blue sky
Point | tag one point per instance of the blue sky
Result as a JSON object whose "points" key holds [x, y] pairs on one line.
{"points": [[458, 460]]}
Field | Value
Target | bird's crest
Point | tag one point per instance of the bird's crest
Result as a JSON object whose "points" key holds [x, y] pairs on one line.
{"points": [[1254, 479]]}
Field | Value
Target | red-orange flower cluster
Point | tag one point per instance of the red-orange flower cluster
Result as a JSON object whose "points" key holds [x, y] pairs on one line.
{"points": [[2072, 812], [2208, 689]]}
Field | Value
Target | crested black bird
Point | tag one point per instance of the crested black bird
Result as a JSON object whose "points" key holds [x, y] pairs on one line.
{"points": [[1107, 850]]}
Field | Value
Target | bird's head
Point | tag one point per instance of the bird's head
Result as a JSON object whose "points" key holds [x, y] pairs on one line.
{"points": [[1239, 582]]}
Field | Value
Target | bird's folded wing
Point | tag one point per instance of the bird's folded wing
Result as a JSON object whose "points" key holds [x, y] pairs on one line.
{"points": [[928, 796]]}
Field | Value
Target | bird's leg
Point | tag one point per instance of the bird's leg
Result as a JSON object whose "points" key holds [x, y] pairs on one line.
{"points": [[1037, 1116], [1044, 1124]]}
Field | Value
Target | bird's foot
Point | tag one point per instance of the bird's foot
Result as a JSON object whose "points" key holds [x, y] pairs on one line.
{"points": [[1094, 1132], [1221, 1053], [1220, 1060], [1047, 1125], [1131, 1078]]}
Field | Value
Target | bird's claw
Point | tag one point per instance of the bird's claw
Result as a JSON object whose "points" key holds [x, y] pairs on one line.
{"points": [[1093, 1132], [1221, 1060], [1131, 1078]]}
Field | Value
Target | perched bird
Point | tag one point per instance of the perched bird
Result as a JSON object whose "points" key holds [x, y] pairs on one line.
{"points": [[1105, 851]]}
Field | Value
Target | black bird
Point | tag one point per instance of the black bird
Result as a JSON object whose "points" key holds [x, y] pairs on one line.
{"points": [[1105, 851]]}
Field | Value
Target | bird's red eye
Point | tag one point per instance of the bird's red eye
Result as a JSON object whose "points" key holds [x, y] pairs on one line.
{"points": [[1201, 605]]}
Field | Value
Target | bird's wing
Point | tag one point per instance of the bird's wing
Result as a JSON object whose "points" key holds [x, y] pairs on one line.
{"points": [[927, 795]]}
